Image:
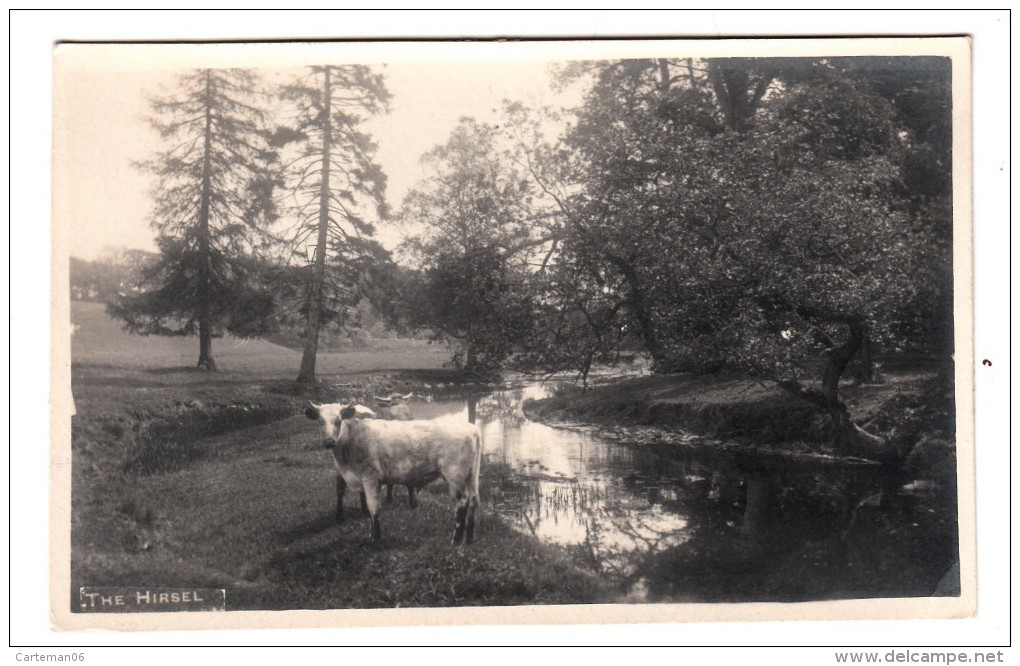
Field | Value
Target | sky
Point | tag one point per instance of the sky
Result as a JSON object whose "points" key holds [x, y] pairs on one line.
{"points": [[103, 131]]}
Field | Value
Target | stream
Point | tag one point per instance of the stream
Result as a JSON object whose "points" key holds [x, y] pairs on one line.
{"points": [[689, 524]]}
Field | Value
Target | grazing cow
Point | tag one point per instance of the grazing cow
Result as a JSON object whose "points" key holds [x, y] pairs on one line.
{"points": [[394, 412], [393, 399], [394, 407], [370, 452]]}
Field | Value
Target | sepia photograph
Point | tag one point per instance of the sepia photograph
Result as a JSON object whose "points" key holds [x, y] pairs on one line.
{"points": [[584, 331]]}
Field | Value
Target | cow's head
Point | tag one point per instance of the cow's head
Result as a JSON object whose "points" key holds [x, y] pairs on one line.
{"points": [[331, 417], [393, 399]]}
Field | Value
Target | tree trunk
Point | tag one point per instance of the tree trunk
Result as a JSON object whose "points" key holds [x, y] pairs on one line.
{"points": [[205, 358], [849, 438], [640, 308], [586, 369], [756, 508], [737, 93], [690, 74], [315, 287], [664, 78], [862, 367]]}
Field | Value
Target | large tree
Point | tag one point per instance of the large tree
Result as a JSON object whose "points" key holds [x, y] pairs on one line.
{"points": [[756, 217], [213, 206], [483, 232], [338, 189], [647, 203]]}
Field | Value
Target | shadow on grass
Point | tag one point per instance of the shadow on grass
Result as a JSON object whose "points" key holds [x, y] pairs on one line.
{"points": [[178, 439], [308, 529], [183, 369], [113, 382], [339, 559]]}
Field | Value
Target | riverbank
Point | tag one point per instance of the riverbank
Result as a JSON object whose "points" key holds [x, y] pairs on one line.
{"points": [[184, 478], [772, 513], [907, 408]]}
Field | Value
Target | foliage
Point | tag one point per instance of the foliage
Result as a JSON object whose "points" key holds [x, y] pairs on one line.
{"points": [[756, 219], [575, 325], [477, 298], [105, 278], [213, 206], [316, 116], [483, 229], [767, 215], [474, 195]]}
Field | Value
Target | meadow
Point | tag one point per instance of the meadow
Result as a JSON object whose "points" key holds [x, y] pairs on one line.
{"points": [[185, 478]]}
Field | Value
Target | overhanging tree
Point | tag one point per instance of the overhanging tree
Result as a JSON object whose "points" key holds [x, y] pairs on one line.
{"points": [[649, 202], [760, 230], [213, 206], [835, 255], [337, 188]]}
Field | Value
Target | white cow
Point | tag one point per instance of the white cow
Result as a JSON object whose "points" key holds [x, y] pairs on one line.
{"points": [[393, 408], [370, 452]]}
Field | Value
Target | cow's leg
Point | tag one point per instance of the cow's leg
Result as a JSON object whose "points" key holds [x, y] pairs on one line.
{"points": [[341, 488], [389, 493], [469, 536], [462, 509], [364, 505], [373, 495], [412, 497]]}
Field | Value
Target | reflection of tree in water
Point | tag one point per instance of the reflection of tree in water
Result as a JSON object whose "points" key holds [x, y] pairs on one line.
{"points": [[722, 526], [502, 405], [622, 539], [768, 503], [606, 528], [789, 532]]}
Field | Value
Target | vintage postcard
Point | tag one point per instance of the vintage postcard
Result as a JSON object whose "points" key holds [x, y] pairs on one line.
{"points": [[417, 333]]}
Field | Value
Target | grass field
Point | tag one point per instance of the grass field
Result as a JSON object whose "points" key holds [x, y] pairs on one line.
{"points": [[98, 342], [185, 478]]}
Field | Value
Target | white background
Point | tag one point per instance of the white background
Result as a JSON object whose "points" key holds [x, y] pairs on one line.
{"points": [[32, 35]]}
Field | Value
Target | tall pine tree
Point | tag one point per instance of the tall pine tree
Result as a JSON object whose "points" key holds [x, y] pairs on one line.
{"points": [[337, 188], [213, 204]]}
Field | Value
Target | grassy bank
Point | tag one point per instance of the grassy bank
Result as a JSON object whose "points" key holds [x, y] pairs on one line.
{"points": [[257, 519], [907, 407], [184, 478]]}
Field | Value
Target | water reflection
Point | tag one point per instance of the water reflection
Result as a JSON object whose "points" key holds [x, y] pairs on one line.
{"points": [[566, 487], [711, 526]]}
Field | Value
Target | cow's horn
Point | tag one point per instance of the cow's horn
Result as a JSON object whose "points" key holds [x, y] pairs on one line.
{"points": [[314, 406]]}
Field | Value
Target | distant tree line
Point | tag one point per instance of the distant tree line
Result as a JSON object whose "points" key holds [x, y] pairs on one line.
{"points": [[109, 277], [733, 213]]}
